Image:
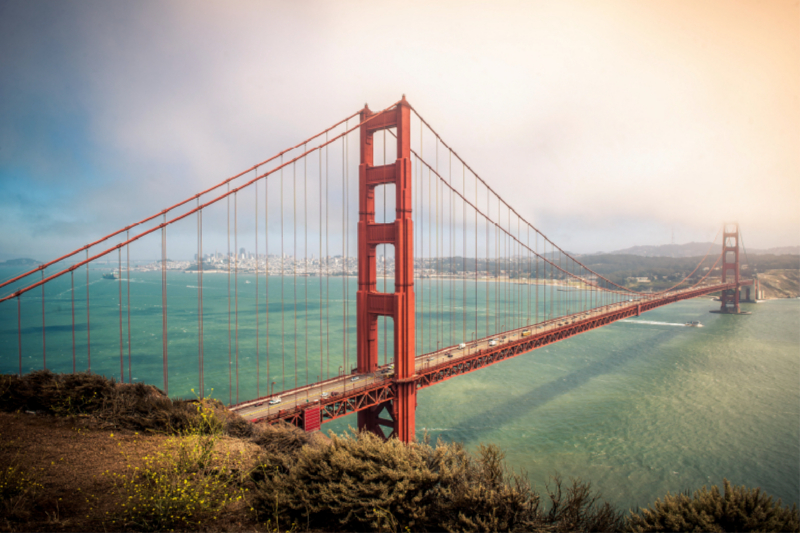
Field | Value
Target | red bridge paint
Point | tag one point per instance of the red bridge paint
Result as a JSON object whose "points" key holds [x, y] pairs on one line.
{"points": [[392, 403], [374, 397], [370, 303], [312, 420]]}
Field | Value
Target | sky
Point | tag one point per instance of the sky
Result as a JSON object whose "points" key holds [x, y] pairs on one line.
{"points": [[607, 124]]}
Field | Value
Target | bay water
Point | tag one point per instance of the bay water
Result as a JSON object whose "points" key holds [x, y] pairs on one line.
{"points": [[640, 407]]}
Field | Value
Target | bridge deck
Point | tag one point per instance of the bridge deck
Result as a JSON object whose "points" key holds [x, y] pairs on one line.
{"points": [[343, 395]]}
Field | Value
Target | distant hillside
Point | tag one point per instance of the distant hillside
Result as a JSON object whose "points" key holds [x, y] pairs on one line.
{"points": [[695, 249], [783, 283], [22, 262]]}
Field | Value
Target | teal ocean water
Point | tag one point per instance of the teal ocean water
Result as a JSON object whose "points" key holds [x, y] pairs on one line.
{"points": [[639, 408]]}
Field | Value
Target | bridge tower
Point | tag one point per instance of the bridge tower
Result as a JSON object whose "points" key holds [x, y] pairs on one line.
{"points": [[370, 303], [730, 267]]}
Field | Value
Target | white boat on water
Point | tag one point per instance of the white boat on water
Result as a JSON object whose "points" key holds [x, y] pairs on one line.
{"points": [[694, 324]]}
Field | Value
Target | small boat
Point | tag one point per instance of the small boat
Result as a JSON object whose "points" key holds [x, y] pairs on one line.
{"points": [[111, 275], [694, 324]]}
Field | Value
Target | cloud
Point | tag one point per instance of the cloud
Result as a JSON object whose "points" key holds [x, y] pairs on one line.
{"points": [[618, 122]]}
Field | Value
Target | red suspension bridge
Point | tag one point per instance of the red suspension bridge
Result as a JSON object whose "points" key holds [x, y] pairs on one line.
{"points": [[449, 279]]}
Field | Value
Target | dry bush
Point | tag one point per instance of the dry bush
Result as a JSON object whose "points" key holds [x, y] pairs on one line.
{"points": [[356, 483], [280, 438], [137, 406], [361, 483], [578, 509], [738, 509], [19, 489]]}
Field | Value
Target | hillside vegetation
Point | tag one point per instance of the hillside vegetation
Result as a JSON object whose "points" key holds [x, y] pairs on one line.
{"points": [[83, 453]]}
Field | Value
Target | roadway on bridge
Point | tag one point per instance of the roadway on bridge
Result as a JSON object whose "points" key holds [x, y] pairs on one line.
{"points": [[317, 393]]}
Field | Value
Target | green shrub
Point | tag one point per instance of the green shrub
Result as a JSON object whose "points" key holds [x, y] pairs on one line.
{"points": [[738, 509]]}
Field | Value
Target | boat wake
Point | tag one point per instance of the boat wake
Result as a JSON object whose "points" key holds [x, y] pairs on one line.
{"points": [[653, 323]]}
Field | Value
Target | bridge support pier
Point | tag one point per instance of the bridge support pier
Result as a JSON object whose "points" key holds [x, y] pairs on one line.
{"points": [[370, 303]]}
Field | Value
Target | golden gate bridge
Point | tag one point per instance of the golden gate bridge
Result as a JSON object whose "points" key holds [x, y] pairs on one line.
{"points": [[425, 220]]}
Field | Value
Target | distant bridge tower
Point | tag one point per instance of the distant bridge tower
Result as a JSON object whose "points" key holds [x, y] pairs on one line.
{"points": [[398, 305], [730, 267]]}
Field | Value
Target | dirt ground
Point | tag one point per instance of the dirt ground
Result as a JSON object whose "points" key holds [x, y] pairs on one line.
{"points": [[72, 461]]}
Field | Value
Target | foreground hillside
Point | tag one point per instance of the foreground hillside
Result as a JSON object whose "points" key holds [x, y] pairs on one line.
{"points": [[82, 453]]}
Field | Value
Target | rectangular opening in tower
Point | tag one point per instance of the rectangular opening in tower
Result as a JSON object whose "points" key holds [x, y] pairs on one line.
{"points": [[385, 341], [384, 146], [384, 268], [385, 203]]}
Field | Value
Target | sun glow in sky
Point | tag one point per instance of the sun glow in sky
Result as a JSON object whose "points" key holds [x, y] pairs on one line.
{"points": [[607, 124]]}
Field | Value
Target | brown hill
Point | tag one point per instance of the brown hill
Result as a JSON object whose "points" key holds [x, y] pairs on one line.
{"points": [[780, 283]]}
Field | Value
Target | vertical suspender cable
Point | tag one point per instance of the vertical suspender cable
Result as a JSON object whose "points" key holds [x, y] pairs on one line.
{"points": [[88, 329], [486, 264], [559, 290], [420, 242], [44, 344], [452, 248], [230, 342], [464, 251], [127, 301], [164, 302], [121, 345], [385, 321], [435, 200], [563, 300], [452, 252], [258, 375], [319, 269], [72, 300], [497, 268], [19, 332], [520, 290], [266, 270], [431, 262], [550, 298], [536, 250], [327, 267], [476, 255], [347, 248], [305, 259], [200, 350], [421, 174], [283, 350], [236, 282], [294, 264], [344, 254]]}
